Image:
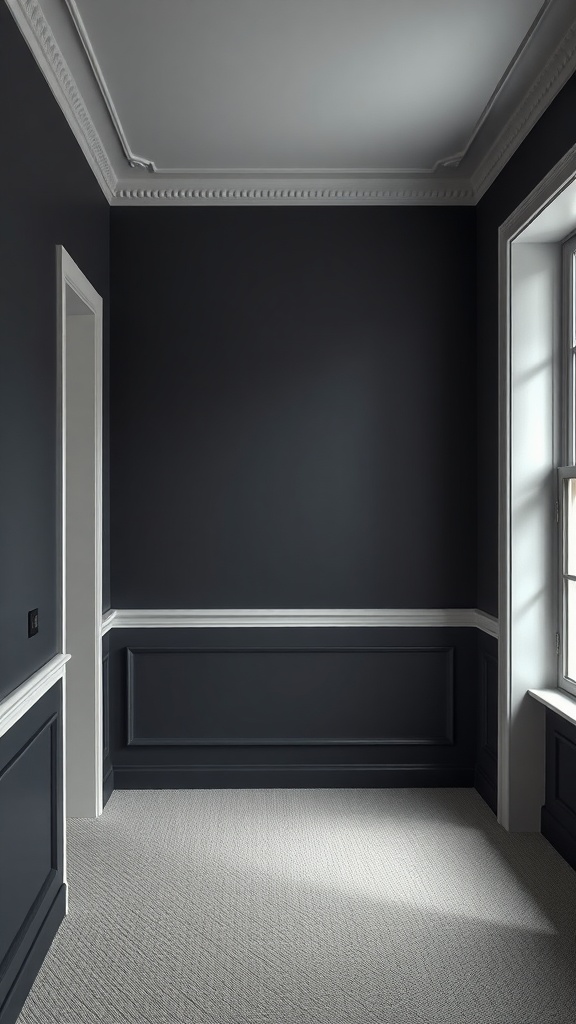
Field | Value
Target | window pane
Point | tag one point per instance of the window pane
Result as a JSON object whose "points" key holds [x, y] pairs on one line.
{"points": [[570, 630], [570, 526]]}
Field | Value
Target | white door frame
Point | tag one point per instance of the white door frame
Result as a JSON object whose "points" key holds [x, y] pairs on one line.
{"points": [[529, 366], [79, 376]]}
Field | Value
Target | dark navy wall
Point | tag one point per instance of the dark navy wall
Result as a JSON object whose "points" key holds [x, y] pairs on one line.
{"points": [[547, 143], [48, 195], [293, 407]]}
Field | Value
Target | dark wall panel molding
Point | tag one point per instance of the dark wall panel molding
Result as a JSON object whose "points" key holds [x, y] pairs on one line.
{"points": [[294, 697], [31, 850], [239, 707], [559, 811], [107, 770], [486, 772], [106, 708]]}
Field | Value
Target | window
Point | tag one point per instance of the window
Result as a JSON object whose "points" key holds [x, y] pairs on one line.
{"points": [[567, 481]]}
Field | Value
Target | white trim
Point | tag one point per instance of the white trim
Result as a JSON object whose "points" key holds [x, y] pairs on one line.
{"points": [[519, 731], [108, 621], [32, 23], [545, 88], [133, 160], [294, 191], [88, 776], [487, 623], [17, 703], [192, 618], [561, 703]]}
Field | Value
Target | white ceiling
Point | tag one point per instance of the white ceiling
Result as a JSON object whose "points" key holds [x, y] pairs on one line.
{"points": [[183, 92]]}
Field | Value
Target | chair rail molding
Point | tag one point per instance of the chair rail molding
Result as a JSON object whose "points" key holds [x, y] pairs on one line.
{"points": [[190, 618], [17, 703]]}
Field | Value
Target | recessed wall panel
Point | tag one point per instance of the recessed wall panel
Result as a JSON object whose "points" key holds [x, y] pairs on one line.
{"points": [[294, 697]]}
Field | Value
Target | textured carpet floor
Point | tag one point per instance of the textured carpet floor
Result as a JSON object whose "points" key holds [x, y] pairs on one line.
{"points": [[309, 907]]}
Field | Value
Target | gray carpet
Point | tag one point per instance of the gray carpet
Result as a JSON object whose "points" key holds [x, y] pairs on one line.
{"points": [[309, 907]]}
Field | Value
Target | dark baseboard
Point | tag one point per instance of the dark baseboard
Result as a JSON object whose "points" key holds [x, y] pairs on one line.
{"points": [[16, 997], [108, 787], [290, 777], [558, 835], [487, 789]]}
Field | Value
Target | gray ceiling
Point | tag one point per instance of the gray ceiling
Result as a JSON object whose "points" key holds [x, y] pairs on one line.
{"points": [[346, 85], [290, 101]]}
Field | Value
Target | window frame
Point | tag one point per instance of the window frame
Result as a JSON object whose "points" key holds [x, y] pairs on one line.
{"points": [[567, 470]]}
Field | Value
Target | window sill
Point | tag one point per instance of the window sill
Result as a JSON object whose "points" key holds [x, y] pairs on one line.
{"points": [[562, 703]]}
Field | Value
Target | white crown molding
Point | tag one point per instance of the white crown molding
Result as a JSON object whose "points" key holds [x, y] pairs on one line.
{"points": [[133, 160], [17, 703], [546, 87], [258, 189], [380, 193], [456, 159], [30, 19], [199, 618]]}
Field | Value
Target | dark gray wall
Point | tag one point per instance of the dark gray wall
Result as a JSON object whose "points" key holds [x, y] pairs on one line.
{"points": [[48, 195], [549, 140], [293, 407]]}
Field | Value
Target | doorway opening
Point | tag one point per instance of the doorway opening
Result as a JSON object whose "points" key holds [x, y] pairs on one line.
{"points": [[80, 533]]}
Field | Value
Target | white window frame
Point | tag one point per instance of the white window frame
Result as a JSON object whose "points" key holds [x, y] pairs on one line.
{"points": [[568, 447]]}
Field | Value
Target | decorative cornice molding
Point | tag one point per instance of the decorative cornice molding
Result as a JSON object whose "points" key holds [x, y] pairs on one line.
{"points": [[394, 193], [200, 618], [38, 34], [406, 190], [17, 703], [554, 75], [133, 160]]}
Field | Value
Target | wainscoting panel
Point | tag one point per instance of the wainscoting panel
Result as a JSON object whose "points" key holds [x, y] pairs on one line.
{"points": [[301, 707], [108, 772], [31, 846], [258, 697], [486, 774], [559, 811]]}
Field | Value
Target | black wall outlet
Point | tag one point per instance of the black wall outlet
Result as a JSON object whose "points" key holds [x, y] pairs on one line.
{"points": [[33, 622]]}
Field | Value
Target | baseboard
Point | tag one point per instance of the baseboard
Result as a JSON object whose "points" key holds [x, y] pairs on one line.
{"points": [[107, 787], [290, 777], [487, 788], [559, 837], [24, 980]]}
